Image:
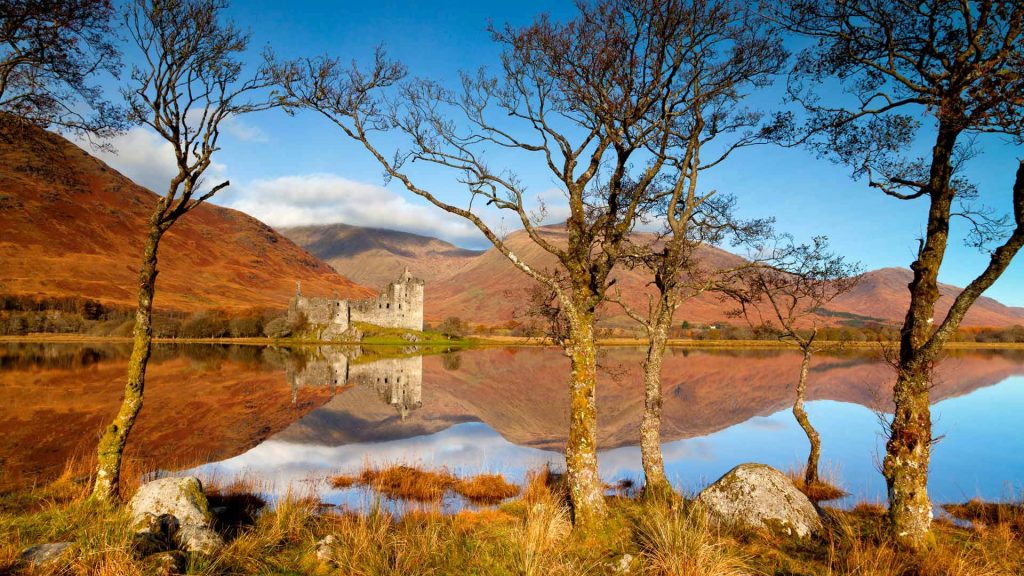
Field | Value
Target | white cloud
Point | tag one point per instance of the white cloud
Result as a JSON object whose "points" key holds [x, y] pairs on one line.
{"points": [[243, 130], [146, 158], [328, 198]]}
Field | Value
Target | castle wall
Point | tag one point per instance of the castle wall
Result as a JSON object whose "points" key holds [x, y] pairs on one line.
{"points": [[399, 305], [332, 317]]}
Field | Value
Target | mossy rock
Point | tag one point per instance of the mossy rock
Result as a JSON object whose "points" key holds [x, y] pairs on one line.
{"points": [[760, 497]]}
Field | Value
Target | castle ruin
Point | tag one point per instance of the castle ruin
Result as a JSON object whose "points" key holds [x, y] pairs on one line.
{"points": [[399, 305]]}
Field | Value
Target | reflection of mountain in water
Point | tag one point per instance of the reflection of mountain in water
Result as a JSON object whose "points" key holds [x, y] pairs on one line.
{"points": [[521, 393], [397, 382], [207, 403]]}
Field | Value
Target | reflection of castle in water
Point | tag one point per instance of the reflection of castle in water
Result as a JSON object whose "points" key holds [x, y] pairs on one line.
{"points": [[397, 381]]}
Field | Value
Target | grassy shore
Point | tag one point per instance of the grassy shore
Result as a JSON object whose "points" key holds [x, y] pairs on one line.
{"points": [[438, 341], [526, 535]]}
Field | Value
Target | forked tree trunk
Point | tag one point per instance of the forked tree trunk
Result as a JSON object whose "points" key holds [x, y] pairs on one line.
{"points": [[811, 471], [111, 445], [585, 488], [656, 484]]}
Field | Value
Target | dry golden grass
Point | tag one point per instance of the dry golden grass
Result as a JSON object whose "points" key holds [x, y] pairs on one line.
{"points": [[531, 534], [401, 482], [825, 489], [983, 514], [683, 542], [408, 483], [343, 481], [485, 489]]}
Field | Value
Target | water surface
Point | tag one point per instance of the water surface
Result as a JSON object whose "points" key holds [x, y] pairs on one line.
{"points": [[295, 416]]}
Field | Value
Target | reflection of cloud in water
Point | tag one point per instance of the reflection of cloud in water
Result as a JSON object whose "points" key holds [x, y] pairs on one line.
{"points": [[468, 448], [765, 423], [971, 462]]}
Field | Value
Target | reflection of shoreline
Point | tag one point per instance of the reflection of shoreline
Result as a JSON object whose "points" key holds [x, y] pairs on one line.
{"points": [[496, 341]]}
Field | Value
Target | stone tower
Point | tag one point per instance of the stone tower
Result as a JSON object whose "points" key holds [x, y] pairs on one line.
{"points": [[400, 305]]}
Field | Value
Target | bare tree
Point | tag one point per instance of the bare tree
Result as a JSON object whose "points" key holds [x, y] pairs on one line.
{"points": [[726, 52], [960, 67], [189, 82], [50, 51], [594, 100], [784, 294]]}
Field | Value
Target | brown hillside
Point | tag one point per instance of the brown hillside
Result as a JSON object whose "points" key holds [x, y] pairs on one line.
{"points": [[490, 290], [72, 226], [375, 256], [883, 294]]}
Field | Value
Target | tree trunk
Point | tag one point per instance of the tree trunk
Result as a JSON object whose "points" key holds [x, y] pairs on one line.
{"points": [[811, 471], [906, 460], [111, 445], [585, 488], [908, 450], [656, 484]]}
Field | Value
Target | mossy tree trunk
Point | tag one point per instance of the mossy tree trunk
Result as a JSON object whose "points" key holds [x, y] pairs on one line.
{"points": [[111, 446], [656, 484], [907, 452], [585, 487], [811, 471]]}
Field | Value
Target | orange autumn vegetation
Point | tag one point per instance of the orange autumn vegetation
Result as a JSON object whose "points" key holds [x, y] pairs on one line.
{"points": [[402, 482], [825, 489]]}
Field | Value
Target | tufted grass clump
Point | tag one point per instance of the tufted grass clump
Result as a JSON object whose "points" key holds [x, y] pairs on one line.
{"points": [[682, 541], [402, 482]]}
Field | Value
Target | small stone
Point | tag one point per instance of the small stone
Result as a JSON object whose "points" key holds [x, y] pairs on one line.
{"points": [[168, 563], [760, 497], [624, 565], [44, 554], [325, 549], [200, 540]]}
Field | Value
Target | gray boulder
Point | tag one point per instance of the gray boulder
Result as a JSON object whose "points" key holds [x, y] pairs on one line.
{"points": [[759, 496], [182, 498], [176, 507]]}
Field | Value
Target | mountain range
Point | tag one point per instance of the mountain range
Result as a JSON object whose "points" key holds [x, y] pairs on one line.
{"points": [[72, 226], [485, 288]]}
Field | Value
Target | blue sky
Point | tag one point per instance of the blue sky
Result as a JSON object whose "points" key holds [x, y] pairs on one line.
{"points": [[300, 170]]}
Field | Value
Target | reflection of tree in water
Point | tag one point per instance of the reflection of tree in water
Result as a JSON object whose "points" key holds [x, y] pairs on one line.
{"points": [[397, 381], [451, 361]]}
